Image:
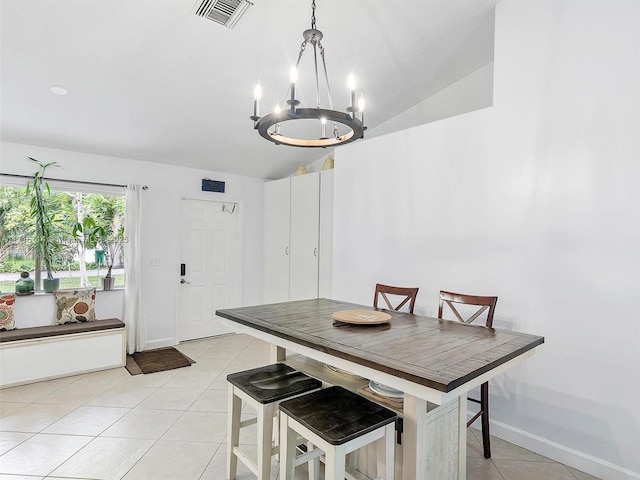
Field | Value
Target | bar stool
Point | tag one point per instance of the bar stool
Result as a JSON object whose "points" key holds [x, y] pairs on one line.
{"points": [[337, 422], [262, 389]]}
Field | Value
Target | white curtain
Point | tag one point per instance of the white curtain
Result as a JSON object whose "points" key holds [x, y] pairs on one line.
{"points": [[133, 270]]}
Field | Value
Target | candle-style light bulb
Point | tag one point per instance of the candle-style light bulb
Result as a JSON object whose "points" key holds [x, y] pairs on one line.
{"points": [[361, 106], [257, 93], [352, 91], [323, 121], [352, 82], [293, 76]]}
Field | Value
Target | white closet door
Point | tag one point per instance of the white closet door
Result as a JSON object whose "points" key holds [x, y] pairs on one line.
{"points": [[277, 201], [325, 266], [305, 226]]}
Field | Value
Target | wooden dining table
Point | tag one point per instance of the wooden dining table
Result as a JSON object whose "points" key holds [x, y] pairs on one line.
{"points": [[434, 362]]}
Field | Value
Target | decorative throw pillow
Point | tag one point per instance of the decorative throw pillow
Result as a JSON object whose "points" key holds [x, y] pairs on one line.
{"points": [[75, 306], [6, 311]]}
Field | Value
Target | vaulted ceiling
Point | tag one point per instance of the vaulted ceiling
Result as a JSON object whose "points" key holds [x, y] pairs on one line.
{"points": [[150, 80]]}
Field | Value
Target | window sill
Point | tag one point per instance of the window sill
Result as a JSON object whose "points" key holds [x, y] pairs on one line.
{"points": [[44, 294]]}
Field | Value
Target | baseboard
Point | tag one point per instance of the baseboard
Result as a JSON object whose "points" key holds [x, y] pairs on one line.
{"points": [[63, 375], [563, 454]]}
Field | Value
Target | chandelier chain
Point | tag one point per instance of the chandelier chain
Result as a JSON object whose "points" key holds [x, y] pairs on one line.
{"points": [[326, 75], [302, 47], [313, 14], [315, 63]]}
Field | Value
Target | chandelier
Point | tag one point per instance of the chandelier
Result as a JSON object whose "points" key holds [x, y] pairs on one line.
{"points": [[323, 127]]}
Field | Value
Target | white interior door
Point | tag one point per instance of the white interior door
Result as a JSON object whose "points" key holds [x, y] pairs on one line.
{"points": [[305, 227], [277, 211], [325, 263], [209, 244]]}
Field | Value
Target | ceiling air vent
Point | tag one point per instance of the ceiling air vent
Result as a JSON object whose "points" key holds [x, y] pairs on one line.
{"points": [[224, 12]]}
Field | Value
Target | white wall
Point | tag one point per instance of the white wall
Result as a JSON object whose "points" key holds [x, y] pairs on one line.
{"points": [[472, 92], [36, 310], [535, 200], [160, 236]]}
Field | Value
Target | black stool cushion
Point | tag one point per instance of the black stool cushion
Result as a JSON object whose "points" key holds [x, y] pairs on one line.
{"points": [[337, 415], [273, 382]]}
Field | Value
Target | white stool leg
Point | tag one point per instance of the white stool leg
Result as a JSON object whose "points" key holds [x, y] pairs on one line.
{"points": [[233, 432], [389, 452], [265, 432], [313, 465], [276, 433], [335, 462], [287, 449]]}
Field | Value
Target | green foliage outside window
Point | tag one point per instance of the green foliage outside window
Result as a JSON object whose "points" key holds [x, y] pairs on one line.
{"points": [[105, 214]]}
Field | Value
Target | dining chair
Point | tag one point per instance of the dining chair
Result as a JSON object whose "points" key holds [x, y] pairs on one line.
{"points": [[400, 296], [486, 305], [405, 294]]}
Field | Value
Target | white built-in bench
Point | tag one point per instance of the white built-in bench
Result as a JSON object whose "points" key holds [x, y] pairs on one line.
{"points": [[44, 352]]}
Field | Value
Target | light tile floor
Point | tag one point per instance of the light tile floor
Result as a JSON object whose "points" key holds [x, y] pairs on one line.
{"points": [[171, 425]]}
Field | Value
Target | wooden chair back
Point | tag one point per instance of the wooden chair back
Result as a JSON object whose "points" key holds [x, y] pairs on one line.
{"points": [[402, 295], [485, 304], [488, 305]]}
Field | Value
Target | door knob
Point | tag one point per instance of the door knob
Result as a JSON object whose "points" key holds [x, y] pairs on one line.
{"points": [[182, 280]]}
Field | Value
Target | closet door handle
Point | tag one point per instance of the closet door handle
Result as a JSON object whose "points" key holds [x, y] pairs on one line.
{"points": [[286, 250], [315, 252]]}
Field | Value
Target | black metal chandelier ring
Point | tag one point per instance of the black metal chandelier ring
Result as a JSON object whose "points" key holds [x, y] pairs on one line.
{"points": [[275, 119]]}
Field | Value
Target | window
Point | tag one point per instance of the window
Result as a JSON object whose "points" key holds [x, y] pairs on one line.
{"points": [[89, 231]]}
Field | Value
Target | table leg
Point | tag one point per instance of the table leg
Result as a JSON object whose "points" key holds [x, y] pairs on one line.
{"points": [[462, 437], [277, 354], [434, 440], [414, 441]]}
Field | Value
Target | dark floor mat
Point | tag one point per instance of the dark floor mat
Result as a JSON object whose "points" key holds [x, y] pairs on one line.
{"points": [[159, 360]]}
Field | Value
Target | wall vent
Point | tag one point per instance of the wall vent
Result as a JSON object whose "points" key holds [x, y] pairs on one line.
{"points": [[224, 12]]}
